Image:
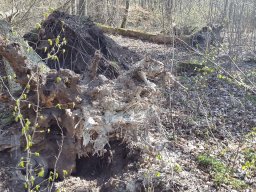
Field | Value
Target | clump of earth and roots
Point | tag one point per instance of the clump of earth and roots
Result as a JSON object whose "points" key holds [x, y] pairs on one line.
{"points": [[107, 113]]}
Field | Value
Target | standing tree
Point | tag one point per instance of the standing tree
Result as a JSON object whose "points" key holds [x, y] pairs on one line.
{"points": [[124, 21]]}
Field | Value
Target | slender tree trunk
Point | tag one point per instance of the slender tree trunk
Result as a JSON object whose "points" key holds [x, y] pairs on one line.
{"points": [[73, 7], [225, 10], [124, 21], [169, 10], [163, 20], [76, 2], [81, 7]]}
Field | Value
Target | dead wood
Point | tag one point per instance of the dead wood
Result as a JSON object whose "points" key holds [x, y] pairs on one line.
{"points": [[154, 38], [202, 38], [74, 117], [82, 38], [57, 92]]}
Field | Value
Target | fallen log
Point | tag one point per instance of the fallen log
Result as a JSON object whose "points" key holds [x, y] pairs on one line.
{"points": [[154, 38], [201, 38]]}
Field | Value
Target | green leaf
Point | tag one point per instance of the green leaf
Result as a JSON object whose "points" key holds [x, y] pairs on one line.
{"points": [[25, 185], [41, 173], [50, 179], [58, 80], [50, 9], [64, 41], [221, 76], [27, 86], [29, 49], [37, 154], [65, 173], [22, 164], [18, 117], [159, 157], [46, 15], [32, 180], [50, 42], [58, 106], [38, 26], [158, 174], [57, 40], [37, 187], [24, 96]]}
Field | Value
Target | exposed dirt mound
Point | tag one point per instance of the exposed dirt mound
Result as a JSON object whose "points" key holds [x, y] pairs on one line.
{"points": [[74, 41]]}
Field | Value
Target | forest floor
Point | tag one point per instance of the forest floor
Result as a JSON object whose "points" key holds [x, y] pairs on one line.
{"points": [[203, 146]]}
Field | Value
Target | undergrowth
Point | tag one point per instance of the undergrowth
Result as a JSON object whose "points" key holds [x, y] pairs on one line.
{"points": [[220, 173]]}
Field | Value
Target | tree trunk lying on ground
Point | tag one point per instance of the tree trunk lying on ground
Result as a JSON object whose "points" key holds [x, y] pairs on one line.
{"points": [[154, 38], [202, 38]]}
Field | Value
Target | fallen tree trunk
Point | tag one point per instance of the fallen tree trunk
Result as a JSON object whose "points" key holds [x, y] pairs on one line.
{"points": [[200, 39], [154, 38]]}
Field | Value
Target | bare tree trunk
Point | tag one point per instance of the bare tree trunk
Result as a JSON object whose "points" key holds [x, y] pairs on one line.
{"points": [[225, 11], [81, 7], [210, 14], [76, 3], [142, 3], [163, 20], [73, 7], [253, 28], [169, 10], [124, 21]]}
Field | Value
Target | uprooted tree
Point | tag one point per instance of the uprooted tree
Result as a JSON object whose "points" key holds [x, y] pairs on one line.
{"points": [[72, 114]]}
